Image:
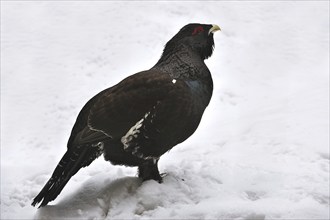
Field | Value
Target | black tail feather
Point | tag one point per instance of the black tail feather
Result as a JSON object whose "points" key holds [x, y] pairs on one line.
{"points": [[71, 162]]}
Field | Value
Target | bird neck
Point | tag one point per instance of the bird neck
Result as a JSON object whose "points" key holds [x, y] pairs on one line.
{"points": [[181, 62]]}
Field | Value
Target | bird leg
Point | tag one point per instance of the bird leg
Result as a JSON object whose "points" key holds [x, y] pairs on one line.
{"points": [[149, 171]]}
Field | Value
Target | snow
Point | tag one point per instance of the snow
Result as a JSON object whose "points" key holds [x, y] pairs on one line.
{"points": [[261, 151]]}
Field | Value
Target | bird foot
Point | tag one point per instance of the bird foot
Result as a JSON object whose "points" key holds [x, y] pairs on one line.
{"points": [[149, 171], [157, 177]]}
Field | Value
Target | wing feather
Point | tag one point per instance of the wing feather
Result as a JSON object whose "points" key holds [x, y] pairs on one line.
{"points": [[120, 108]]}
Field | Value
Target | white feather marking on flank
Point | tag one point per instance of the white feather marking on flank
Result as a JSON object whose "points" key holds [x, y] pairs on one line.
{"points": [[174, 81], [132, 132]]}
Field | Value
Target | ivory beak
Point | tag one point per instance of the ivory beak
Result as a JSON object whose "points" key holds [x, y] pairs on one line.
{"points": [[214, 28]]}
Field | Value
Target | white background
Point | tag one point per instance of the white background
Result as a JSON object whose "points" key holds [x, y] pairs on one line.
{"points": [[261, 151]]}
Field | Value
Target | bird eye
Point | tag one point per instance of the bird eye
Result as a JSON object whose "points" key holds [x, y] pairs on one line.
{"points": [[197, 30]]}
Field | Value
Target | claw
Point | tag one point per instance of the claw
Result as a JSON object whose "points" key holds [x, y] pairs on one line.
{"points": [[163, 174]]}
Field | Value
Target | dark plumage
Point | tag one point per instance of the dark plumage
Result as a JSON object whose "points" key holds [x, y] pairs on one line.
{"points": [[136, 121]]}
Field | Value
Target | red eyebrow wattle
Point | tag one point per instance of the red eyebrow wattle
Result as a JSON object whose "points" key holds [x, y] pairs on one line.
{"points": [[197, 30]]}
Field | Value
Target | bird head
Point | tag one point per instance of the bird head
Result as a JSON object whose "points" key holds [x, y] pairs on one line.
{"points": [[198, 37]]}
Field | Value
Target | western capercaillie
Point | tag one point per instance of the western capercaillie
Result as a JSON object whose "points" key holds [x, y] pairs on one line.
{"points": [[136, 121]]}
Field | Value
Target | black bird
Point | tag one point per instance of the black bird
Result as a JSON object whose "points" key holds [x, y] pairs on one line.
{"points": [[136, 121]]}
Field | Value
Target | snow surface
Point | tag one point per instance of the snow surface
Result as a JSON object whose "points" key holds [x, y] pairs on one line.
{"points": [[261, 151]]}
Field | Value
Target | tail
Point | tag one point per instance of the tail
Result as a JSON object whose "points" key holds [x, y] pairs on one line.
{"points": [[74, 159]]}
